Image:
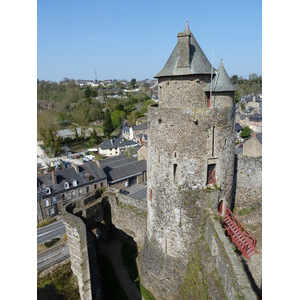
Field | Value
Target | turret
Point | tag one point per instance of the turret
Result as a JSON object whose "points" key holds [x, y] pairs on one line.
{"points": [[190, 147]]}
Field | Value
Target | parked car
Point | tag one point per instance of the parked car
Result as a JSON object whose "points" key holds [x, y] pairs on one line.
{"points": [[124, 192]]}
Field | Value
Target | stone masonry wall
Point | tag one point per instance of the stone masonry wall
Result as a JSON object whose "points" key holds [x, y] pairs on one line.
{"points": [[230, 270], [248, 181], [178, 159], [129, 215], [77, 241], [193, 95]]}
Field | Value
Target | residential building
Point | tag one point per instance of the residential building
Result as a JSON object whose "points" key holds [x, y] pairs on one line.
{"points": [[114, 146], [123, 171], [131, 132], [56, 188], [253, 147], [255, 122], [142, 153], [238, 130]]}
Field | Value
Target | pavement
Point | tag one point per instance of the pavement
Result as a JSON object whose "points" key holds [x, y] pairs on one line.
{"points": [[42, 158], [137, 191]]}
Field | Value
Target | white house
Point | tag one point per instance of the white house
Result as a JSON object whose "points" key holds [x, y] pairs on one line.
{"points": [[115, 146]]}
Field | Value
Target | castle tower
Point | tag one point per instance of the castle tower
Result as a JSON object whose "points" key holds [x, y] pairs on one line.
{"points": [[190, 147]]}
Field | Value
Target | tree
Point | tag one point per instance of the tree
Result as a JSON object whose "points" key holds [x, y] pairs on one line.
{"points": [[87, 92], [132, 83], [132, 117], [234, 79], [130, 151], [117, 118], [47, 131], [94, 139], [246, 132], [108, 127]]}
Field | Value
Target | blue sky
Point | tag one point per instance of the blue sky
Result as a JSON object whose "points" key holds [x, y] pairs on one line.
{"points": [[133, 39]]}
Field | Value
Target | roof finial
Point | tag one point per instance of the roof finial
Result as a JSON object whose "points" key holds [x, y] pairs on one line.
{"points": [[221, 63], [187, 24]]}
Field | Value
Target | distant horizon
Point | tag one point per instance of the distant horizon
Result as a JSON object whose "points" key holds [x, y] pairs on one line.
{"points": [[120, 39], [112, 79]]}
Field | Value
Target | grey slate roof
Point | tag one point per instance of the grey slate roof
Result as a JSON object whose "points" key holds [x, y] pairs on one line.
{"points": [[255, 117], [115, 143], [127, 171], [259, 137], [221, 82], [110, 160], [121, 167], [198, 60], [69, 175], [118, 163], [238, 127], [139, 127]]}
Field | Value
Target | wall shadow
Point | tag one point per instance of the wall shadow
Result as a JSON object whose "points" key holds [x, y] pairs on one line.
{"points": [[120, 248], [254, 286]]}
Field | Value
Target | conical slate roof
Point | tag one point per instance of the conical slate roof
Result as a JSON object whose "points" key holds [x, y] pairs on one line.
{"points": [[221, 82], [199, 63]]}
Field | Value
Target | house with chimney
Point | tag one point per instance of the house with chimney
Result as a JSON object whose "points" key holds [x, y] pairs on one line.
{"points": [[115, 146], [131, 132], [56, 188]]}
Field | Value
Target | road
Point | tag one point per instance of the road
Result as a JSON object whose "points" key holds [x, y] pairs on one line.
{"points": [[137, 191], [53, 256], [49, 232]]}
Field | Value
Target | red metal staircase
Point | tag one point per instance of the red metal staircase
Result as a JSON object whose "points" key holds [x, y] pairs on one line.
{"points": [[238, 234]]}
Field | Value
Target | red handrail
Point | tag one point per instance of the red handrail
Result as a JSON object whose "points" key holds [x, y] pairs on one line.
{"points": [[240, 226]]}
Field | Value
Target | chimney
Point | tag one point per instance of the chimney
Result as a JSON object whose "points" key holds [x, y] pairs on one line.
{"points": [[98, 163], [184, 48], [54, 179], [254, 134], [76, 168]]}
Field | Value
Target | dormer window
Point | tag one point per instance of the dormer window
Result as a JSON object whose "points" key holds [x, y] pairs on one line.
{"points": [[48, 191], [66, 185], [74, 182]]}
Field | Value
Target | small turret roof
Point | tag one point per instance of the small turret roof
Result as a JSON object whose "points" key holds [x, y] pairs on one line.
{"points": [[221, 82], [199, 63]]}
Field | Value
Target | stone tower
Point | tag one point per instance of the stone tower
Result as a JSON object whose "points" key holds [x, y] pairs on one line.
{"points": [[190, 147]]}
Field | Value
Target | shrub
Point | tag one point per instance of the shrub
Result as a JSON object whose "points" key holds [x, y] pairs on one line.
{"points": [[49, 244], [46, 222]]}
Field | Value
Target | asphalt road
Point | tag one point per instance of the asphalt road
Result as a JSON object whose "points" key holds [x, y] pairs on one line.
{"points": [[137, 191], [49, 258], [49, 232]]}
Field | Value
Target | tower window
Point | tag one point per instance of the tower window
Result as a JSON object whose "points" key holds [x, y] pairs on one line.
{"points": [[213, 142], [174, 170], [225, 142]]}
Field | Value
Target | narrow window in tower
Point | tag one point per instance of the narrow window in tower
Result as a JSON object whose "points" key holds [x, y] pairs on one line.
{"points": [[213, 142], [175, 154], [174, 170], [225, 142], [150, 192]]}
